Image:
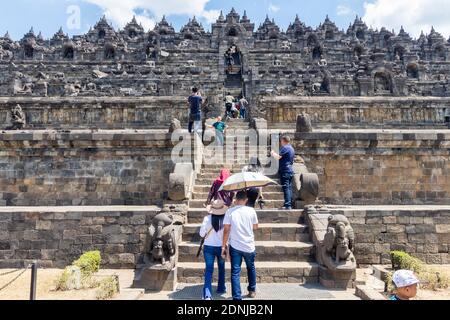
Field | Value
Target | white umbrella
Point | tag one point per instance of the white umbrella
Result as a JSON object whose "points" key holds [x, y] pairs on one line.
{"points": [[245, 180]]}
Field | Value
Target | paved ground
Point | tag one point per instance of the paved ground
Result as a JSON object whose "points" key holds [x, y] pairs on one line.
{"points": [[281, 291]]}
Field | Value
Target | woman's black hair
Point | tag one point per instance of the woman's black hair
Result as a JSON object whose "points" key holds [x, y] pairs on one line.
{"points": [[217, 222]]}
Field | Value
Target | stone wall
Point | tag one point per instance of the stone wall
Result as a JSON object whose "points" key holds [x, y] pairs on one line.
{"points": [[421, 231], [354, 111], [379, 167], [58, 236], [100, 113], [53, 168]]}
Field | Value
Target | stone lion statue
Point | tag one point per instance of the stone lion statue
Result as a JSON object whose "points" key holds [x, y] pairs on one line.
{"points": [[163, 244], [18, 118], [338, 244]]}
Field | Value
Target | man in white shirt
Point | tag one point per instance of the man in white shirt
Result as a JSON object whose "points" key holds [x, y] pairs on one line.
{"points": [[239, 224]]}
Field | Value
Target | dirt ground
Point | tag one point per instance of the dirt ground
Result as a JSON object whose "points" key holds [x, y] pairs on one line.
{"points": [[20, 289]]}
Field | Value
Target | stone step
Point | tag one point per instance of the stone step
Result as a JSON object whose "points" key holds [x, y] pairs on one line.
{"points": [[266, 272], [214, 173], [209, 181], [270, 204], [196, 215], [266, 251], [206, 168], [204, 188], [266, 232], [267, 195]]}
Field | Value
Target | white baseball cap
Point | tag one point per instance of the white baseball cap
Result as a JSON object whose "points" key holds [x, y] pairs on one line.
{"points": [[404, 278]]}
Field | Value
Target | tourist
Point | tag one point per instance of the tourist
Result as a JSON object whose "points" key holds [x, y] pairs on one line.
{"points": [[405, 283], [239, 240], [212, 233], [285, 169], [215, 194], [254, 194], [220, 128], [206, 109], [195, 111], [229, 101], [243, 110]]}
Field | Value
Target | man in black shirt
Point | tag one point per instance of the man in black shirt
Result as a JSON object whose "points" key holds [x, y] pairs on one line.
{"points": [[195, 111]]}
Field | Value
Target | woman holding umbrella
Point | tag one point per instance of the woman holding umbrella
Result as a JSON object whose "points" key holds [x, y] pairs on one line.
{"points": [[216, 194]]}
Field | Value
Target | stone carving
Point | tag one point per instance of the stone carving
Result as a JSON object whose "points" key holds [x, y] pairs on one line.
{"points": [[305, 184], [286, 45], [99, 74], [338, 244], [163, 242], [304, 123], [174, 125], [316, 87], [72, 90], [18, 118], [181, 182]]}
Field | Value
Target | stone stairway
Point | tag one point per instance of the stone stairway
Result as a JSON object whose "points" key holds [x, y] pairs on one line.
{"points": [[284, 252]]}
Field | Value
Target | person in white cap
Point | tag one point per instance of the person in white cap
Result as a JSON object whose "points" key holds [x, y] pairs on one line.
{"points": [[211, 232], [405, 282]]}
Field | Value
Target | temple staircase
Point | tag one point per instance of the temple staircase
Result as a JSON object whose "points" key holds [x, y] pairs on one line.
{"points": [[284, 251]]}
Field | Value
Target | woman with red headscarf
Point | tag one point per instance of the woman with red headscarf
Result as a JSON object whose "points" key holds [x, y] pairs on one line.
{"points": [[215, 194]]}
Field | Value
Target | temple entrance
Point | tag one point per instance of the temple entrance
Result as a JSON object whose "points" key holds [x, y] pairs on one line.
{"points": [[233, 69]]}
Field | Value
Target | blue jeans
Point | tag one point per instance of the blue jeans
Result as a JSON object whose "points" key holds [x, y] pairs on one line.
{"points": [[210, 254], [219, 138], [236, 262], [286, 183], [243, 113]]}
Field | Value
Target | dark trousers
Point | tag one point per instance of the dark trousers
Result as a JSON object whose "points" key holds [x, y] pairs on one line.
{"points": [[286, 183], [228, 112]]}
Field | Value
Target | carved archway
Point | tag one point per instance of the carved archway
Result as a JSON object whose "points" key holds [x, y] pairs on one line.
{"points": [[317, 53], [312, 40], [69, 53], [360, 34], [382, 83], [233, 32], [329, 35], [400, 52], [273, 36], [28, 51], [132, 33], [110, 52], [412, 70], [101, 34]]}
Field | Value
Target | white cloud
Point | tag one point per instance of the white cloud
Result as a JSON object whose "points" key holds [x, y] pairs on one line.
{"points": [[273, 8], [121, 11], [413, 15], [344, 10]]}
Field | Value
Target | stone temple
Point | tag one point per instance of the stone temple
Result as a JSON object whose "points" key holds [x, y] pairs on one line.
{"points": [[85, 151]]}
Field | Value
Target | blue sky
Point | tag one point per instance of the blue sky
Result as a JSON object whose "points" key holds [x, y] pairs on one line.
{"points": [[48, 15]]}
